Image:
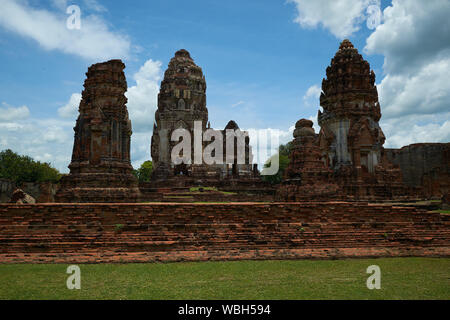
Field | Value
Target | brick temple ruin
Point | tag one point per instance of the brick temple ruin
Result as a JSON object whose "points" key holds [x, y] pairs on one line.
{"points": [[158, 232], [323, 211], [100, 170], [346, 160], [182, 102], [425, 168]]}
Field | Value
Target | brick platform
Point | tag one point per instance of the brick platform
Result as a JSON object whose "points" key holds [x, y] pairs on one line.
{"points": [[93, 233]]}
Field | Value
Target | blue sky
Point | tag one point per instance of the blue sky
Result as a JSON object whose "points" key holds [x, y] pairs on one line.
{"points": [[263, 60]]}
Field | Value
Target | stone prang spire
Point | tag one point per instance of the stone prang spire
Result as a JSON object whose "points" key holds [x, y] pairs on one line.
{"points": [[351, 111], [100, 170], [347, 158], [181, 101]]}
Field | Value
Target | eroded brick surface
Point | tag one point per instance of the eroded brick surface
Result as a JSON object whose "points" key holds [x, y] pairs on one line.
{"points": [[346, 160], [92, 233], [100, 170]]}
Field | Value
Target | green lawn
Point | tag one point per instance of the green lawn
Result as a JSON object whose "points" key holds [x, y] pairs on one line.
{"points": [[402, 278]]}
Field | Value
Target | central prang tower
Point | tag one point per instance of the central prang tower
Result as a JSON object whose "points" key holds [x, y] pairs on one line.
{"points": [[181, 101]]}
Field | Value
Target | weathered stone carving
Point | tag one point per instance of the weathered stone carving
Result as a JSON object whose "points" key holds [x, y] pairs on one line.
{"points": [[100, 170]]}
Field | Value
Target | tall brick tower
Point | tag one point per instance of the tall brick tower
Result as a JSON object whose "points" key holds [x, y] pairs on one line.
{"points": [[100, 170], [181, 101], [350, 132], [350, 138]]}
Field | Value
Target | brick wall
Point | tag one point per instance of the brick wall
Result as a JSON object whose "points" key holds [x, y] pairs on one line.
{"points": [[43, 192], [424, 165], [207, 196], [90, 233]]}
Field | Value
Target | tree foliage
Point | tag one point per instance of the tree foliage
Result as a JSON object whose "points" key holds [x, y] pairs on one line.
{"points": [[144, 173], [285, 149], [283, 156], [21, 169]]}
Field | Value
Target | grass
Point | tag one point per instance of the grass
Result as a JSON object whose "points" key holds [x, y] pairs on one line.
{"points": [[197, 189], [401, 278], [443, 211], [118, 227]]}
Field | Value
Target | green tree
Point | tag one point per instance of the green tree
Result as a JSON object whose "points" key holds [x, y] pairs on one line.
{"points": [[144, 173], [285, 149], [284, 152], [21, 169]]}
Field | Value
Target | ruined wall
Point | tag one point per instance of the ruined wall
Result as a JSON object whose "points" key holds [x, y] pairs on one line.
{"points": [[424, 165], [41, 192], [6, 189], [77, 233]]}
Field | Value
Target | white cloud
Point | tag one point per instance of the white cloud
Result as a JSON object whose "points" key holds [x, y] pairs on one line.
{"points": [[406, 130], [94, 41], [341, 17], [413, 32], [414, 40], [313, 92], [316, 126], [9, 113], [44, 140], [140, 148], [311, 97], [70, 109], [425, 92], [142, 98]]}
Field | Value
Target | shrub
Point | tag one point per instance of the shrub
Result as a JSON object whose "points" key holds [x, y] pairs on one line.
{"points": [[21, 169], [144, 173]]}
